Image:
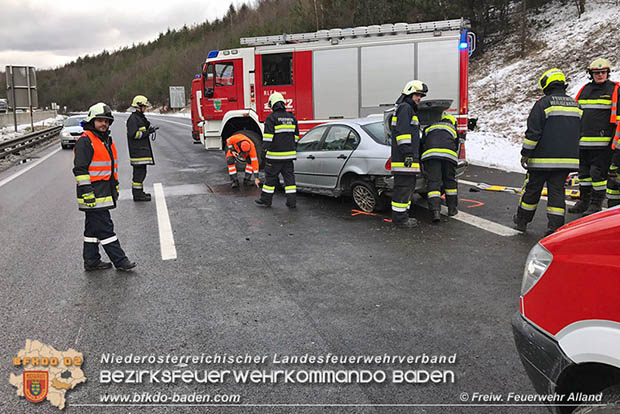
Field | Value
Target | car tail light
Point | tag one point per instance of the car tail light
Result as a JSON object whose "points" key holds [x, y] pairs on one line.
{"points": [[536, 265], [388, 164]]}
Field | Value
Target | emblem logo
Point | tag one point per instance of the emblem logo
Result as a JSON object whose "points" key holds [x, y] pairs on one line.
{"points": [[36, 384], [217, 104]]}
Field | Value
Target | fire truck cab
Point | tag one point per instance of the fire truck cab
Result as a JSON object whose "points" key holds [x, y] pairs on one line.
{"points": [[328, 75]]}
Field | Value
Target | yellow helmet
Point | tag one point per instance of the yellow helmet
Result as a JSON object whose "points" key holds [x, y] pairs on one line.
{"points": [[140, 100], [415, 86], [99, 110], [600, 64], [276, 97], [550, 76], [448, 118]]}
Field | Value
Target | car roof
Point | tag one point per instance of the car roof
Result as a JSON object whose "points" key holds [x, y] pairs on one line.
{"points": [[356, 121]]}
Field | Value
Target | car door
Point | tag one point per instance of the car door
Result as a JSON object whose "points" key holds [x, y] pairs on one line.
{"points": [[307, 168], [336, 148]]}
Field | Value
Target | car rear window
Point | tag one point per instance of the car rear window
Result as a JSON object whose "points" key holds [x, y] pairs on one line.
{"points": [[376, 132]]}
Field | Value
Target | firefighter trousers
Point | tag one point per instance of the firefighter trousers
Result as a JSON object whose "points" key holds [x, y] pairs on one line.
{"points": [[556, 204], [137, 183], [613, 191], [232, 169], [272, 170], [441, 175], [593, 167], [404, 185], [98, 228]]}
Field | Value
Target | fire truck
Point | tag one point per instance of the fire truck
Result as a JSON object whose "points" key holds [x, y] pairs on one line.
{"points": [[328, 75]]}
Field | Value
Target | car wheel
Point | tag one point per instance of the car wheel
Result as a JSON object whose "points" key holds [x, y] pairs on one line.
{"points": [[365, 196], [64, 146], [610, 403]]}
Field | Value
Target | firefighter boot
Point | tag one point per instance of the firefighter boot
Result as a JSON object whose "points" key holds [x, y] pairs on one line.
{"points": [[125, 265], [452, 202], [596, 205], [98, 266], [612, 202], [234, 184], [520, 223], [139, 195], [408, 223], [434, 204], [585, 195]]}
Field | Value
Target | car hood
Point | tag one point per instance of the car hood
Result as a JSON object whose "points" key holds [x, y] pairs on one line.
{"points": [[603, 226], [76, 128]]}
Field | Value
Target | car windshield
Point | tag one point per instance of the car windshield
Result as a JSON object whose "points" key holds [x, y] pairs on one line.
{"points": [[69, 122], [376, 132]]}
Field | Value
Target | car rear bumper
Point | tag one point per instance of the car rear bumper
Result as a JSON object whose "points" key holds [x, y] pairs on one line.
{"points": [[542, 357]]}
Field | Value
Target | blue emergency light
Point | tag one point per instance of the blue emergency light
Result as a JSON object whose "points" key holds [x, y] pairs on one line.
{"points": [[463, 43], [212, 54]]}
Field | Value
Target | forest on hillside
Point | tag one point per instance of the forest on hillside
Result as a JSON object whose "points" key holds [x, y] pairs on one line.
{"points": [[177, 55]]}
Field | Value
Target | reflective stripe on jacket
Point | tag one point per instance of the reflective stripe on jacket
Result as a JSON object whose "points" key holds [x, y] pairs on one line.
{"points": [[599, 103], [281, 135], [440, 140], [552, 137], [138, 142], [405, 132]]}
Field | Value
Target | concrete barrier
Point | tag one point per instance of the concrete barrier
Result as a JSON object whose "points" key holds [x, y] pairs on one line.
{"points": [[23, 118]]}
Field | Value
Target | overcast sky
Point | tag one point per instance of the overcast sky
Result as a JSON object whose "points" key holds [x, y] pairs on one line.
{"points": [[47, 34]]}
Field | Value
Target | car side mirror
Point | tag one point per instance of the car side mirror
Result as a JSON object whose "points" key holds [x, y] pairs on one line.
{"points": [[209, 93], [471, 123]]}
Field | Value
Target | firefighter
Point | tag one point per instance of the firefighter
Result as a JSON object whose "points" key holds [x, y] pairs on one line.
{"points": [[279, 149], [140, 151], [95, 169], [405, 133], [613, 175], [599, 101], [439, 146], [240, 147], [550, 151]]}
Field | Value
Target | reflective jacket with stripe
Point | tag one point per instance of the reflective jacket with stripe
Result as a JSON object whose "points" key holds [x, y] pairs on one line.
{"points": [[140, 152], [233, 144], [600, 112], [405, 131], [440, 142], [552, 137], [94, 169], [281, 135]]}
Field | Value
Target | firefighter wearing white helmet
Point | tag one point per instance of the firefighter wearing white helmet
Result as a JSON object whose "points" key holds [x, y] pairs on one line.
{"points": [[599, 101], [405, 135], [279, 150], [439, 146], [550, 151], [140, 152], [95, 168]]}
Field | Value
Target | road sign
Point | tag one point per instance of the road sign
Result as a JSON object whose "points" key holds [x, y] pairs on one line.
{"points": [[177, 97], [21, 85]]}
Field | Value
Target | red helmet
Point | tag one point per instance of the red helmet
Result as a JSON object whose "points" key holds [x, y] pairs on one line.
{"points": [[244, 146]]}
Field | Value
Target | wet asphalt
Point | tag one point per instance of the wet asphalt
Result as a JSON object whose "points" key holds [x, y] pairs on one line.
{"points": [[317, 280]]}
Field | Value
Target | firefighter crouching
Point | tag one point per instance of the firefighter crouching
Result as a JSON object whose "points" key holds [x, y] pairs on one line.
{"points": [[241, 147], [599, 101], [439, 146], [550, 151], [405, 133], [279, 148], [95, 169], [140, 151]]}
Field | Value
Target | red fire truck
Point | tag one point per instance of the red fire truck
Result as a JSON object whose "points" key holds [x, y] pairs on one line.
{"points": [[329, 74]]}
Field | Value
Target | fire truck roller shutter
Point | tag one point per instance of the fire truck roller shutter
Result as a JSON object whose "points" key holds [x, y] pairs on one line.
{"points": [[336, 91]]}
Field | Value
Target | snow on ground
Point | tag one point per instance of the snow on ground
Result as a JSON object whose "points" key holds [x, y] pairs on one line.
{"points": [[7, 133], [504, 87]]}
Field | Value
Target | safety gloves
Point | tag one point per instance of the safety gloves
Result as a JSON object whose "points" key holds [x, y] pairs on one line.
{"points": [[89, 199], [524, 160], [613, 172], [408, 161]]}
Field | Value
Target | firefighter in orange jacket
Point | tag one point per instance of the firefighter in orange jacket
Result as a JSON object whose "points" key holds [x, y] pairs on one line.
{"points": [[95, 169], [240, 147]]}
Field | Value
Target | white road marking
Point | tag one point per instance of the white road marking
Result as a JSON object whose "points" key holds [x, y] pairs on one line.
{"points": [[34, 164], [481, 223], [166, 239]]}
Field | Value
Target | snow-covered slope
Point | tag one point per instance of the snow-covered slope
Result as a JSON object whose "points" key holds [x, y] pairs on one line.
{"points": [[504, 87]]}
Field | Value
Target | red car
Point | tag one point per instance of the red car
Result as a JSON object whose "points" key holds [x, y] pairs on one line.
{"points": [[568, 329]]}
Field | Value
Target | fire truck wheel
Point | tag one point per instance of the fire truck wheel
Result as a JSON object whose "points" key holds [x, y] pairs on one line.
{"points": [[365, 196], [610, 403]]}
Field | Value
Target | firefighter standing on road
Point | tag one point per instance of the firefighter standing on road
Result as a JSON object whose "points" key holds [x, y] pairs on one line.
{"points": [[95, 170], [439, 145], [599, 101], [550, 151], [405, 132], [140, 151], [279, 149], [241, 147]]}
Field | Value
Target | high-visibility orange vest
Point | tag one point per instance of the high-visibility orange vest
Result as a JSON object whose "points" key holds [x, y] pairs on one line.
{"points": [[233, 143], [102, 173], [100, 167]]}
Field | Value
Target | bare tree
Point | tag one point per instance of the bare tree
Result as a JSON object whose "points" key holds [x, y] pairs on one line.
{"points": [[581, 7]]}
